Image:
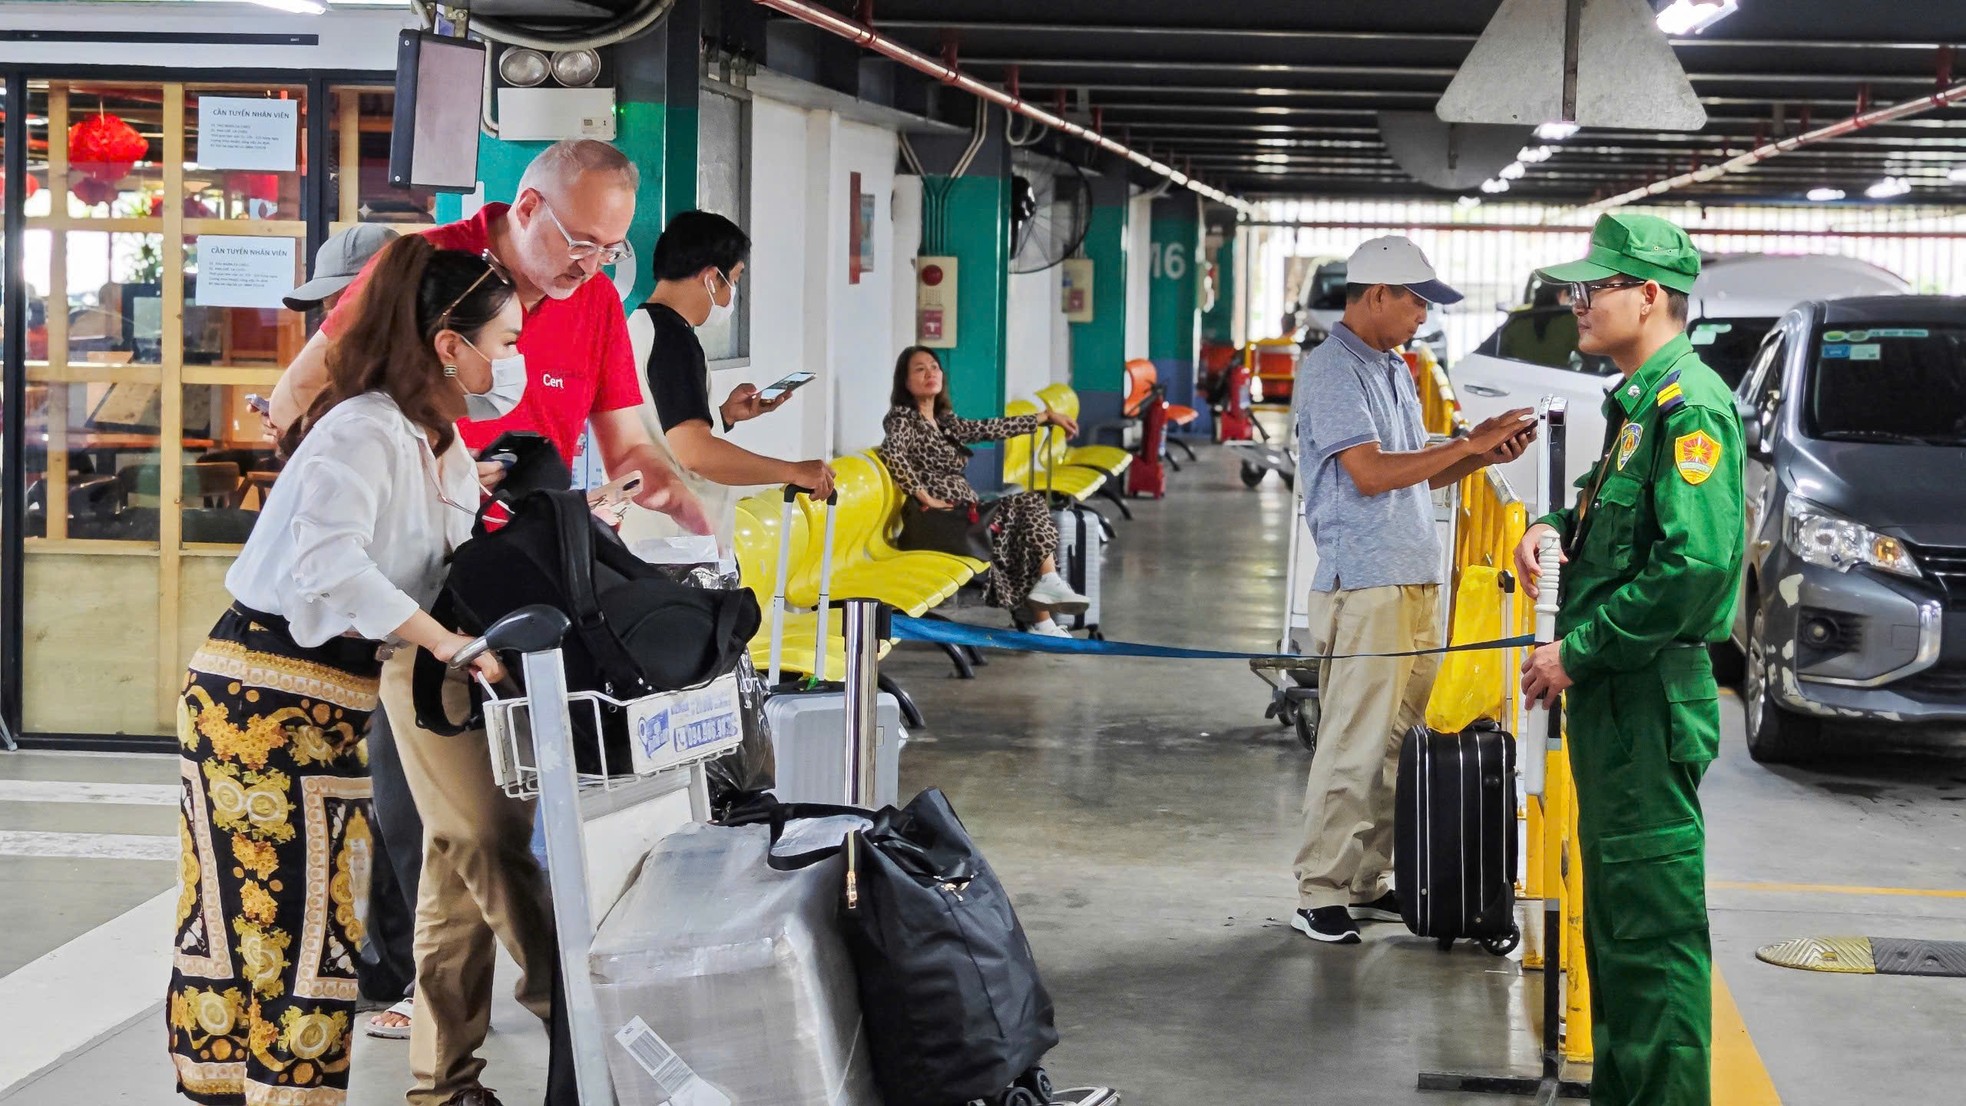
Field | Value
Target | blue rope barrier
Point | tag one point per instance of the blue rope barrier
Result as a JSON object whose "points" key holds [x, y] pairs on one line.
{"points": [[958, 633]]}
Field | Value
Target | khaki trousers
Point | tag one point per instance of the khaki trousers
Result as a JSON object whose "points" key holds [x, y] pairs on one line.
{"points": [[1367, 705], [480, 883]]}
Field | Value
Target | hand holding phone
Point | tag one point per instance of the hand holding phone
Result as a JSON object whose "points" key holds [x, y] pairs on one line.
{"points": [[260, 404], [611, 500], [778, 389]]}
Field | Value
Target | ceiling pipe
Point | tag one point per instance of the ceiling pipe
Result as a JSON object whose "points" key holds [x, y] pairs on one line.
{"points": [[869, 39], [1943, 98]]}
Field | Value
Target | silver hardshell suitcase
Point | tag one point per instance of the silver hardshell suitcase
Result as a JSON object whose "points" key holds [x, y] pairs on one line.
{"points": [[719, 965], [1081, 561], [809, 728]]}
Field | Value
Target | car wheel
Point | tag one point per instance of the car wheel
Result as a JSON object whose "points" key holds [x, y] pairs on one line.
{"points": [[1775, 735]]}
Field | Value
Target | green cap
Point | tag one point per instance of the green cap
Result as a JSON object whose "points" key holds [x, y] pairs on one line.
{"points": [[1642, 246]]}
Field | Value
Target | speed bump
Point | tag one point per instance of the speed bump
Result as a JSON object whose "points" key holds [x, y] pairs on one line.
{"points": [[1868, 955]]}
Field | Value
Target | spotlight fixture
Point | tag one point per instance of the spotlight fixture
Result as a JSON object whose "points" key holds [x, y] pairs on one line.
{"points": [[1690, 17], [576, 68], [1887, 188], [1825, 195], [523, 67], [1556, 132]]}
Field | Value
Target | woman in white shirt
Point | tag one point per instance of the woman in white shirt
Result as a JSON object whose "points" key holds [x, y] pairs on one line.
{"points": [[342, 564]]}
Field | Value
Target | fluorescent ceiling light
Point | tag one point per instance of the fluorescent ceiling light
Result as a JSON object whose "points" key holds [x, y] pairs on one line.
{"points": [[297, 7], [1690, 17], [1273, 168], [1274, 159], [1494, 185], [1535, 155], [1887, 188], [1556, 132], [1274, 142], [1272, 91], [1274, 111], [1825, 195], [1468, 201], [1957, 176], [1277, 128], [1513, 171]]}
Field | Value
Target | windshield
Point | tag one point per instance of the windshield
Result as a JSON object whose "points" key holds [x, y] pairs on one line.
{"points": [[1327, 291], [1892, 384], [1728, 345], [1544, 336]]}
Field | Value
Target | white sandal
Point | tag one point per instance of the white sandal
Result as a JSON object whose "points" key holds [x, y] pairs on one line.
{"points": [[406, 1010]]}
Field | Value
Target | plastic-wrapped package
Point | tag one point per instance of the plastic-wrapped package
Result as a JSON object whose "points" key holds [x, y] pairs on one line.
{"points": [[739, 970]]}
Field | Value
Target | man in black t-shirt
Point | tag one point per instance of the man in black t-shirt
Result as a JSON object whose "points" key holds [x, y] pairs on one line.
{"points": [[698, 262]]}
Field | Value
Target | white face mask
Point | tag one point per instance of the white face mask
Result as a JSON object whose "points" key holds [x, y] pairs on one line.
{"points": [[720, 312], [508, 385]]}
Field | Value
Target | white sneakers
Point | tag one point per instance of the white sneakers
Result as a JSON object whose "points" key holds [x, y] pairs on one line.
{"points": [[1053, 594], [1048, 628]]}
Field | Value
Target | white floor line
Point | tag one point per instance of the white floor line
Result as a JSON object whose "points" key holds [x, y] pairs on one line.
{"points": [[76, 791], [95, 985], [88, 846]]}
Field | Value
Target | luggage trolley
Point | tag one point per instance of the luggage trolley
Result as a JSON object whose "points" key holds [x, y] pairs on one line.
{"points": [[530, 741]]}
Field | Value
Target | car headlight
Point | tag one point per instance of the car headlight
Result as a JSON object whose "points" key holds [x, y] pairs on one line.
{"points": [[1821, 538]]}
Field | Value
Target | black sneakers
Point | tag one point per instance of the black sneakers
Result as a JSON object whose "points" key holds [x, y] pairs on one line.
{"points": [[1385, 908], [1331, 924]]}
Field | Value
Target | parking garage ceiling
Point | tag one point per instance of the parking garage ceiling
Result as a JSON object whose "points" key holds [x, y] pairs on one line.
{"points": [[1282, 97]]}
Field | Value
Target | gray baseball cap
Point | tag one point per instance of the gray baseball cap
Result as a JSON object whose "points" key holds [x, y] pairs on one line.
{"points": [[339, 260]]}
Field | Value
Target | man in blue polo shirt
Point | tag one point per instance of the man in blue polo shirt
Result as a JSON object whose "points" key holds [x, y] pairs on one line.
{"points": [[1368, 474]]}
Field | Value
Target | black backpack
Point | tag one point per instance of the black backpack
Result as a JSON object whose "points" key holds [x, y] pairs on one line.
{"points": [[634, 630]]}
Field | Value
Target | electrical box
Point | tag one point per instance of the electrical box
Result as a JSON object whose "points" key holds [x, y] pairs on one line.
{"points": [[550, 114], [1076, 298], [935, 302]]}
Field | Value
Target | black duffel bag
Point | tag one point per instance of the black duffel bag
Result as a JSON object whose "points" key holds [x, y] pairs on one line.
{"points": [[954, 1008], [634, 630], [966, 529]]}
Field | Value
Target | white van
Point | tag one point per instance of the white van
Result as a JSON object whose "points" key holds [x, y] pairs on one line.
{"points": [[1737, 300]]}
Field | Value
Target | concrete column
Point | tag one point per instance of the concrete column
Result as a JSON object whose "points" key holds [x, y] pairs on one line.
{"points": [[967, 217], [1174, 300], [1099, 346]]}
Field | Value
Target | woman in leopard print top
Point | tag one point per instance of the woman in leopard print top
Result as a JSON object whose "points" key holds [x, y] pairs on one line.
{"points": [[926, 450]]}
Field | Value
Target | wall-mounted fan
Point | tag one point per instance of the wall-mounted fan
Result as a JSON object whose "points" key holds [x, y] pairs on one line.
{"points": [[1050, 210]]}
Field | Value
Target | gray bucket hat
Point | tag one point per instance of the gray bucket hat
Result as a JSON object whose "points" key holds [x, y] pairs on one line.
{"points": [[339, 260]]}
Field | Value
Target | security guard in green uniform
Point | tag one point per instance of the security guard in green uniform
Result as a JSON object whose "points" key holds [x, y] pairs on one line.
{"points": [[1653, 547]]}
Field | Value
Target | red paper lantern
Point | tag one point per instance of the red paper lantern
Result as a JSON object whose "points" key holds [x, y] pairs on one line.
{"points": [[104, 149]]}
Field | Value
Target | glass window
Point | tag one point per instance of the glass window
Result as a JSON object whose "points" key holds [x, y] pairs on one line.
{"points": [[1728, 345], [1545, 336], [722, 186], [1327, 291], [358, 161], [1890, 384]]}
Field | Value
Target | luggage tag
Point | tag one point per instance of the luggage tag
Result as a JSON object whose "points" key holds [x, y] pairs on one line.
{"points": [[680, 1085]]}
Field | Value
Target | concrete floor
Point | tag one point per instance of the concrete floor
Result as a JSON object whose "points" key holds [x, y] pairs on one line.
{"points": [[1145, 815]]}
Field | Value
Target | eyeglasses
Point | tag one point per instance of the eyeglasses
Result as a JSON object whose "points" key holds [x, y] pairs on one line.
{"points": [[1580, 293], [581, 250], [493, 268]]}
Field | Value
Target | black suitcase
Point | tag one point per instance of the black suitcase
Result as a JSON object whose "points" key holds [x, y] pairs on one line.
{"points": [[1454, 836]]}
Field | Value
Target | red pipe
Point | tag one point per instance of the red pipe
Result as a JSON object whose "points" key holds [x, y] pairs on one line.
{"points": [[869, 39], [1942, 98]]}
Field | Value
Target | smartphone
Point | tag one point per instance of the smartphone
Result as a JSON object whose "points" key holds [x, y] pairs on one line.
{"points": [[785, 386], [610, 501], [260, 404]]}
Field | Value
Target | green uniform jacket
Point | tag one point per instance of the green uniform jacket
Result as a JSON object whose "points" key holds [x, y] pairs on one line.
{"points": [[1658, 560]]}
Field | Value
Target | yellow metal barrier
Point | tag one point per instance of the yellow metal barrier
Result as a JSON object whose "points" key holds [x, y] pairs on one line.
{"points": [[1490, 523]]}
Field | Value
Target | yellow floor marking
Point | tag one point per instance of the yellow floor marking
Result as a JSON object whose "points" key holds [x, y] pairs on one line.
{"points": [[1739, 1076], [1833, 889]]}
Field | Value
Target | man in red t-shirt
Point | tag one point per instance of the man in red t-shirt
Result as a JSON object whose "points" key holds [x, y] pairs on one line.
{"points": [[574, 206]]}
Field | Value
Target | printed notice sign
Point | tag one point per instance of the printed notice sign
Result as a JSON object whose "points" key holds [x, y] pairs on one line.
{"points": [[239, 133], [237, 271], [667, 730]]}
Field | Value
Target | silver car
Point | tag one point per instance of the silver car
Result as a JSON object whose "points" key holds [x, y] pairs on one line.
{"points": [[1854, 595]]}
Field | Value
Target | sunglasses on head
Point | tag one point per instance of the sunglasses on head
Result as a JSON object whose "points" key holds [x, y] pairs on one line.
{"points": [[494, 269]]}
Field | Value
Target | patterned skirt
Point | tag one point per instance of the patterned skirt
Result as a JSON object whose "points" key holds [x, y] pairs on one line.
{"points": [[1026, 535], [276, 829]]}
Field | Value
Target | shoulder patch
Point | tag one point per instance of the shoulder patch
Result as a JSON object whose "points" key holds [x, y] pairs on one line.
{"points": [[1696, 456]]}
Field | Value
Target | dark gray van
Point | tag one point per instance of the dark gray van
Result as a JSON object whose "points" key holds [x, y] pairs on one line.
{"points": [[1854, 595]]}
